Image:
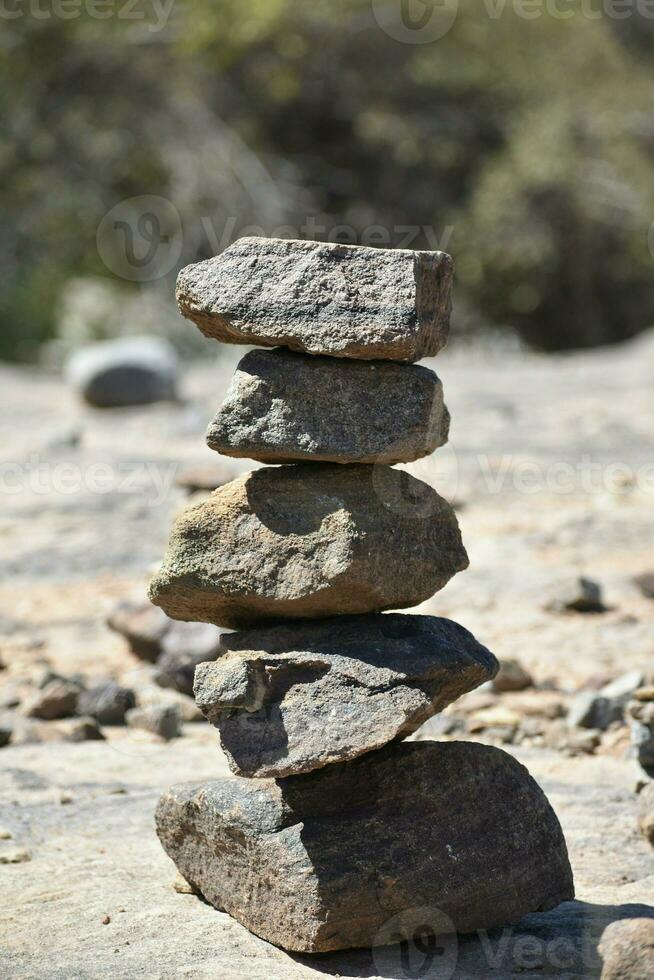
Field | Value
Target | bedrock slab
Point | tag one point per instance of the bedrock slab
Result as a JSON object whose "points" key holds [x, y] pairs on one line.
{"points": [[282, 406], [307, 541], [339, 300], [294, 698], [323, 861]]}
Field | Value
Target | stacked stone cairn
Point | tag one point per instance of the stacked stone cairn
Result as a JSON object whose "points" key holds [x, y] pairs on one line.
{"points": [[334, 825]]}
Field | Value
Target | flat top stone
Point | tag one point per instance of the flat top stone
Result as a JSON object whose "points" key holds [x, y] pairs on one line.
{"points": [[340, 300], [283, 406], [294, 698], [305, 541]]}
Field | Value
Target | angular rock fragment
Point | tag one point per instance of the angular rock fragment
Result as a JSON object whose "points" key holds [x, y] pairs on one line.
{"points": [[301, 542], [321, 861], [293, 698], [107, 703], [57, 699], [339, 300], [282, 407]]}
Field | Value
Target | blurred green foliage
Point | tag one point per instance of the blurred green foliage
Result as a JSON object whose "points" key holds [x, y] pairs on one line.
{"points": [[523, 145]]}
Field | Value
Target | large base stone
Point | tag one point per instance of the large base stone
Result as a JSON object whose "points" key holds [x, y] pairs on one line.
{"points": [[282, 407], [306, 541], [294, 698], [323, 861], [322, 298]]}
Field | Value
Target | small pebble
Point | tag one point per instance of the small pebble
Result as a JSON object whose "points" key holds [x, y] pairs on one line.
{"points": [[5, 834], [105, 920]]}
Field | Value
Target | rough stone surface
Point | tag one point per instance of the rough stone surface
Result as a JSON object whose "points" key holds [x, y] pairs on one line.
{"points": [[128, 371], [322, 861], [627, 949], [282, 407], [294, 698], [340, 300], [646, 812], [308, 541], [107, 703]]}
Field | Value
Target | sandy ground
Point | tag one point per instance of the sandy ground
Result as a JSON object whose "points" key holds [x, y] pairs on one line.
{"points": [[550, 467]]}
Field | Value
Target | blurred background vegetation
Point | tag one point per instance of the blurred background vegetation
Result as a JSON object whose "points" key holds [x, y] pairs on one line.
{"points": [[524, 146]]}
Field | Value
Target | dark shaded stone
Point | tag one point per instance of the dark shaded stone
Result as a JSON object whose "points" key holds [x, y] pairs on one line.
{"points": [[126, 371], [512, 676], [143, 626], [322, 861], [282, 407], [57, 699], [294, 698], [107, 703], [160, 719], [306, 541], [184, 647], [579, 594], [322, 298]]}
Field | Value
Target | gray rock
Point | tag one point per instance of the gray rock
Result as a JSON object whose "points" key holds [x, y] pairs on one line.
{"points": [[143, 626], [160, 719], [175, 647], [333, 855], [599, 709], [107, 703], [127, 371], [57, 699], [512, 676], [641, 722], [306, 541], [81, 730], [294, 698], [577, 595], [184, 647], [340, 300], [645, 583], [646, 812], [627, 949], [282, 407]]}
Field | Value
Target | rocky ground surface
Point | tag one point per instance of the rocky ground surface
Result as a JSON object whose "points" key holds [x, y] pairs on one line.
{"points": [[551, 472]]}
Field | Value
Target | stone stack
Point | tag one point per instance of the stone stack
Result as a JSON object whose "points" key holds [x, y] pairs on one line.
{"points": [[333, 825]]}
